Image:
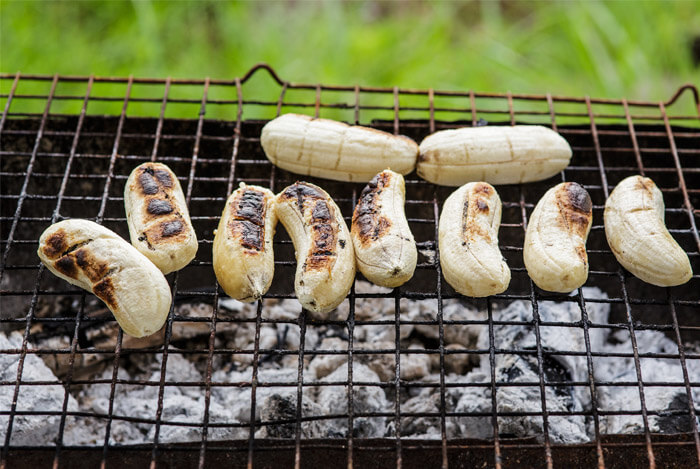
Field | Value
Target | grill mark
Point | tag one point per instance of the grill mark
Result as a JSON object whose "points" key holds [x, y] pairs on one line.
{"points": [[55, 244], [575, 208], [251, 235], [148, 184], [321, 212], [105, 291], [171, 228], [248, 210], [66, 265], [91, 266], [250, 206], [163, 178], [301, 190], [367, 224], [159, 207], [471, 227]]}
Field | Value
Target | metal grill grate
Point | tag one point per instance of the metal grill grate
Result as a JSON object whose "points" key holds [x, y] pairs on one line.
{"points": [[69, 143]]}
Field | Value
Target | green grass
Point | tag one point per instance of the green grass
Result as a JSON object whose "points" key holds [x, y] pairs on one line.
{"points": [[640, 50]]}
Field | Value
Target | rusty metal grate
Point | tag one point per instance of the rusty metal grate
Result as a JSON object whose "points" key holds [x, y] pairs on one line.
{"points": [[74, 163]]}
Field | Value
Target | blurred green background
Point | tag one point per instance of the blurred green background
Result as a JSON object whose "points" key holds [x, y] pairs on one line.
{"points": [[635, 49]]}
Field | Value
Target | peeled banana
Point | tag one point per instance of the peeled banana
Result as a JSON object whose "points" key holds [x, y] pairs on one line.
{"points": [[638, 237], [555, 241], [325, 256], [334, 150], [468, 235], [244, 261], [98, 260], [495, 154], [156, 212], [385, 250]]}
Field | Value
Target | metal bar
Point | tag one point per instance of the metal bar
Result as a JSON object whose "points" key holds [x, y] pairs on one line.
{"points": [[78, 317], [686, 379], [540, 359], [10, 96], [32, 306], [300, 389], [441, 335], [681, 179], [159, 126], [28, 175]]}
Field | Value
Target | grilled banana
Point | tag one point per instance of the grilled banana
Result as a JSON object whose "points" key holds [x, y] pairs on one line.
{"points": [[244, 261], [324, 252], [95, 258], [156, 212], [495, 154], [637, 234], [384, 246], [555, 241], [468, 235], [334, 150]]}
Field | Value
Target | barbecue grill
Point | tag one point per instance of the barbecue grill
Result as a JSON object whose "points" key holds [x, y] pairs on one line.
{"points": [[74, 163]]}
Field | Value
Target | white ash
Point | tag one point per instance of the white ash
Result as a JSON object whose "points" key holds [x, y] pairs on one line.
{"points": [[670, 401], [30, 429], [276, 396], [366, 399]]}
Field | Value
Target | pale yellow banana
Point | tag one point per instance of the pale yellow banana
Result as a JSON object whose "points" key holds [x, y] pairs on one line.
{"points": [[555, 241], [495, 154], [638, 237], [325, 256], [243, 258], [470, 259], [96, 259], [384, 246], [334, 150]]}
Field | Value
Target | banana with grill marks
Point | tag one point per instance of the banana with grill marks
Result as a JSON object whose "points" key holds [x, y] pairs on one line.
{"points": [[156, 212], [98, 260], [495, 154], [468, 235], [638, 237], [384, 246], [325, 256], [555, 241], [334, 150], [244, 261]]}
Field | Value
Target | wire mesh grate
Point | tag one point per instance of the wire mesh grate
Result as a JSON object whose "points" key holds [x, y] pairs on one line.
{"points": [[68, 145]]}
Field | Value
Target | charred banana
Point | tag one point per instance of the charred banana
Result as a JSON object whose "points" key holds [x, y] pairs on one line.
{"points": [[384, 246], [555, 241], [156, 212], [96, 259], [244, 261], [325, 256], [468, 235]]}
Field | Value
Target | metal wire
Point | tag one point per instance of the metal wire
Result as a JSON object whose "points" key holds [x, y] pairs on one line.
{"points": [[56, 166]]}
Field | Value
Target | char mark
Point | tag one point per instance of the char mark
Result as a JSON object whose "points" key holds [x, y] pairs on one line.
{"points": [[159, 207], [321, 212], [251, 235], [105, 291], [323, 236], [302, 190], [66, 265], [163, 178], [56, 245], [250, 206], [171, 228], [94, 268], [148, 183], [578, 198]]}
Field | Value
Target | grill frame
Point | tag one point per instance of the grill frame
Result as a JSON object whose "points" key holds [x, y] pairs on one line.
{"points": [[502, 448]]}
